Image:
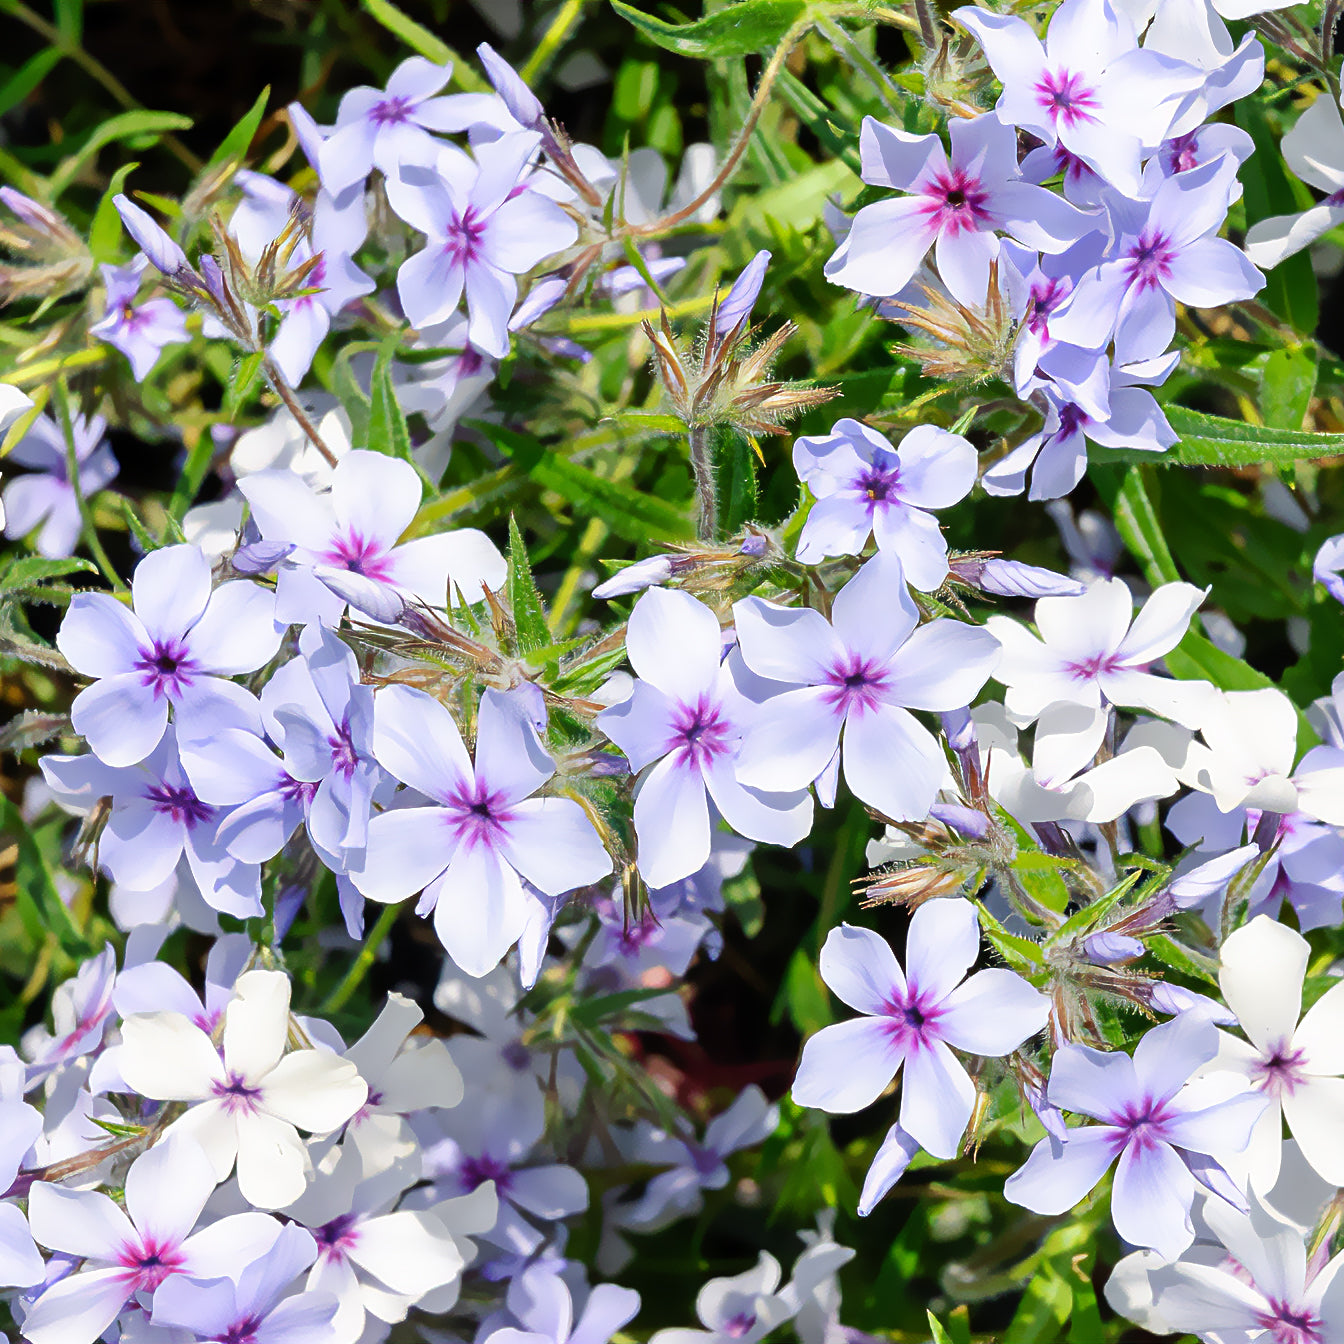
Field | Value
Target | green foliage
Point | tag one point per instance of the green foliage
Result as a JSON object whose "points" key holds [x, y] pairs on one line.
{"points": [[739, 29]]}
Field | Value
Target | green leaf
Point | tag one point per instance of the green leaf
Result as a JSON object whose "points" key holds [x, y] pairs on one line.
{"points": [[940, 1336], [1137, 522], [420, 39], [1171, 953], [35, 886], [194, 471], [1286, 387], [1040, 874], [1021, 954], [31, 570], [529, 615], [630, 513], [106, 232], [354, 400], [388, 432], [144, 538], [740, 29], [803, 995], [1044, 1309], [27, 77], [124, 125], [1213, 441], [236, 144], [734, 462], [244, 379], [1290, 288]]}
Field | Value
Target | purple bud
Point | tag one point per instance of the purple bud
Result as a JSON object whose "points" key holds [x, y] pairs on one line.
{"points": [[964, 820], [31, 212], [898, 1150], [260, 557], [154, 243], [288, 903], [378, 601], [1048, 1114], [1173, 1000], [960, 729], [1326, 569], [735, 308], [1213, 1176], [524, 106], [753, 545], [1208, 879], [649, 573], [307, 133], [541, 298], [1105, 948], [624, 279], [1011, 578]]}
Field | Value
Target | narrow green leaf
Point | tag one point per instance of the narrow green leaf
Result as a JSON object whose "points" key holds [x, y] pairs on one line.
{"points": [[244, 380], [420, 39], [388, 432], [236, 144], [27, 77], [740, 29], [1286, 387], [1043, 1311], [144, 538], [1171, 953], [30, 570], [529, 615], [1214, 441], [194, 471], [106, 233], [1137, 522], [124, 125], [734, 479], [355, 402], [940, 1336], [1042, 878], [36, 886], [1021, 954]]}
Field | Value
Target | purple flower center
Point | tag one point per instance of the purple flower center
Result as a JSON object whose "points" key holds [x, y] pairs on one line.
{"points": [[1281, 1072], [466, 234], [736, 1327], [148, 1263], [912, 1019], [360, 555], [1289, 1324], [1144, 1123], [633, 938], [957, 203], [1072, 419], [1066, 98], [237, 1096], [475, 1171], [700, 733], [877, 484], [517, 1056], [337, 1238], [1045, 297], [390, 112], [857, 684], [1182, 153], [179, 802], [478, 817], [240, 1332], [1148, 261], [301, 791], [1089, 669], [344, 757], [166, 666]]}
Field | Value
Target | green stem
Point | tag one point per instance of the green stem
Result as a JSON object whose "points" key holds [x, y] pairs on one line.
{"points": [[90, 532], [364, 958], [707, 526], [554, 38], [859, 59]]}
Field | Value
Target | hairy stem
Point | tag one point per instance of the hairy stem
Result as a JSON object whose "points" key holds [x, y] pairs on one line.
{"points": [[90, 532], [707, 524], [286, 394]]}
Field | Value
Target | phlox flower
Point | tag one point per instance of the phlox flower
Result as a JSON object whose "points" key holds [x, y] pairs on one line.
{"points": [[687, 715], [343, 543], [139, 330], [544, 1307], [154, 986], [248, 1101], [1165, 251], [481, 233], [1092, 651], [1170, 1133], [20, 1123], [913, 1017], [81, 1009], [156, 817], [129, 1253], [1265, 1289], [1297, 1066], [175, 648], [482, 832], [859, 674], [1314, 150], [813, 1290], [863, 485], [745, 1308], [1088, 87], [253, 1302], [385, 128], [46, 498], [954, 205]]}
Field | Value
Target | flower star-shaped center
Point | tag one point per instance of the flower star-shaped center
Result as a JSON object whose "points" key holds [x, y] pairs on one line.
{"points": [[877, 484], [238, 1096], [1066, 98], [478, 817], [391, 112], [360, 555], [166, 667], [1144, 1124], [1148, 261], [466, 234], [179, 802], [912, 1020], [337, 1238], [240, 1332], [738, 1326], [298, 790], [1089, 669], [1290, 1324], [955, 202], [857, 684], [1182, 153], [1046, 296], [1281, 1071], [699, 733], [149, 1263], [344, 757], [475, 1171]]}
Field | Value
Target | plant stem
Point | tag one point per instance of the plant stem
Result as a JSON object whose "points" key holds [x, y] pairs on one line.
{"points": [[552, 40], [90, 532], [707, 525], [286, 394], [364, 958]]}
